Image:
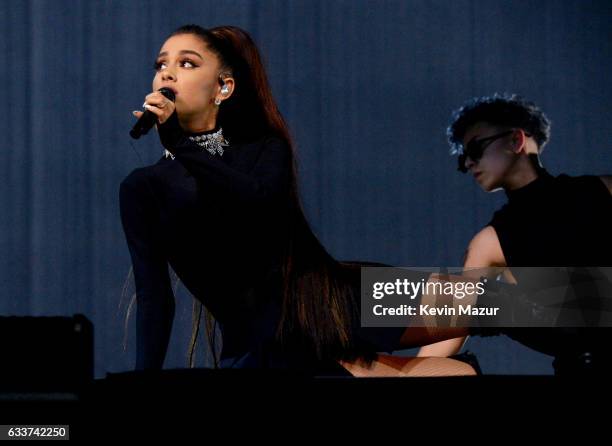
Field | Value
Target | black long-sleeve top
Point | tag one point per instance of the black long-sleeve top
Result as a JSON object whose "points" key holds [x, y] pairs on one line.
{"points": [[223, 223], [220, 222]]}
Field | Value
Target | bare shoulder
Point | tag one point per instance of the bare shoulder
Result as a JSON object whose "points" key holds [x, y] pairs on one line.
{"points": [[607, 180], [484, 250]]}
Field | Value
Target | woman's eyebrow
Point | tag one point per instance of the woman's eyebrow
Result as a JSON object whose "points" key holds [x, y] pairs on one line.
{"points": [[165, 53]]}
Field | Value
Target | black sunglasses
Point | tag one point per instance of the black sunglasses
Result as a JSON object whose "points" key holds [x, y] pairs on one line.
{"points": [[476, 147]]}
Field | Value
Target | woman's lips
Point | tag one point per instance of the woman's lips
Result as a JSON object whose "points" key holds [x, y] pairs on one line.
{"points": [[171, 88]]}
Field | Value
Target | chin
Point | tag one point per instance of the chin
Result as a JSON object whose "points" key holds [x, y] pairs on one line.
{"points": [[489, 187]]}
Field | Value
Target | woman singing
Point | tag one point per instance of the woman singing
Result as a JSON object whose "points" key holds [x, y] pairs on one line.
{"points": [[221, 208]]}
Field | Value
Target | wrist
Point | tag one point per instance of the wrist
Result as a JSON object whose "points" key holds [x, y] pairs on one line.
{"points": [[170, 132]]}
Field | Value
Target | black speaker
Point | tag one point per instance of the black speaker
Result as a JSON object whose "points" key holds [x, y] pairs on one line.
{"points": [[45, 353]]}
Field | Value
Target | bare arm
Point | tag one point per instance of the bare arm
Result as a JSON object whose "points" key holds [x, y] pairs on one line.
{"points": [[443, 349], [483, 251], [607, 180]]}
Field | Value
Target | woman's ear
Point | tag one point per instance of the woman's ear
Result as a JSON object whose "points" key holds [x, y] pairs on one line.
{"points": [[226, 88]]}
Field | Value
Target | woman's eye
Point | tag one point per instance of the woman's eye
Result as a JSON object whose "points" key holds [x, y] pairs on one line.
{"points": [[158, 66], [188, 64]]}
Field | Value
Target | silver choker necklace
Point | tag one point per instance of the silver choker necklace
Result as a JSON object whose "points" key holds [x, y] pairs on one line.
{"points": [[211, 142]]}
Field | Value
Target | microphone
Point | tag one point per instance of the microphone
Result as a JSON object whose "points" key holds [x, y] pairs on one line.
{"points": [[148, 118]]}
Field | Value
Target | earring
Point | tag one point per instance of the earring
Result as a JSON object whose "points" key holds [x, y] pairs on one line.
{"points": [[224, 89], [217, 101]]}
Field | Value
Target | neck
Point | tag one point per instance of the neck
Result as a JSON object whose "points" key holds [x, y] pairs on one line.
{"points": [[198, 124], [523, 173]]}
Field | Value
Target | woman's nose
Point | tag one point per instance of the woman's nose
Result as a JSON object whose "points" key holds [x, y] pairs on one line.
{"points": [[168, 75]]}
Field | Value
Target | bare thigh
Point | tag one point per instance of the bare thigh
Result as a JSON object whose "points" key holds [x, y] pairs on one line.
{"points": [[398, 366]]}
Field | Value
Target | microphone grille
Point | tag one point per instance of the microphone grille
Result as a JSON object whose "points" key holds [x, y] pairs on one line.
{"points": [[168, 93]]}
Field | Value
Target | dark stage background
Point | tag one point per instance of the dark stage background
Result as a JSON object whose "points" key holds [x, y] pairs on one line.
{"points": [[367, 87]]}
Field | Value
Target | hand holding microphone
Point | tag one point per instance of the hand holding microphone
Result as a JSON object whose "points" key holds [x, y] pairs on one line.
{"points": [[159, 107]]}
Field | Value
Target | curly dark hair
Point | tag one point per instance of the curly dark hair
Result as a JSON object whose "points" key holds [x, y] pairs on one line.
{"points": [[508, 110]]}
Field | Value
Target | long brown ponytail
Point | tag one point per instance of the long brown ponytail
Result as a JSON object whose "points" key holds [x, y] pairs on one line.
{"points": [[318, 308]]}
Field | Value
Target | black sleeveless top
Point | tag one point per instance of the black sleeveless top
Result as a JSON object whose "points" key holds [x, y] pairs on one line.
{"points": [[557, 221]]}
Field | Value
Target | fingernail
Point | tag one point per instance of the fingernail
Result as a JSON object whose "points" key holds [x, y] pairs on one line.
{"points": [[135, 112], [147, 106], [144, 105]]}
